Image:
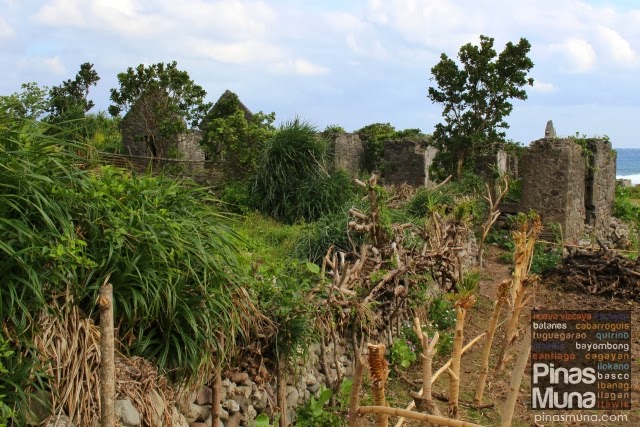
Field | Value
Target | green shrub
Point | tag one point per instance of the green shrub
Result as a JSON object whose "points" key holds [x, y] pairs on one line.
{"points": [[166, 251], [237, 198], [293, 182], [403, 352], [442, 315], [373, 136], [627, 204]]}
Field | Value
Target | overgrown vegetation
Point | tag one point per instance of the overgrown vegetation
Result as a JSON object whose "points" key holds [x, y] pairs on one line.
{"points": [[375, 135], [160, 243], [293, 181], [476, 99]]}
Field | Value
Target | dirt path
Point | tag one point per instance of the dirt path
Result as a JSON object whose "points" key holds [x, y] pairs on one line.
{"points": [[497, 384]]}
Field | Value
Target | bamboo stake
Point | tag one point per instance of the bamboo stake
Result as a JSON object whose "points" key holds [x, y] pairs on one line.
{"points": [[217, 386], [378, 368], [491, 330], [282, 391], [356, 385], [516, 379], [438, 373], [403, 413], [107, 363]]}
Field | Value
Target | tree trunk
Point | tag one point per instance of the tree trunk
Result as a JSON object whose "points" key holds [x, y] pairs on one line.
{"points": [[354, 399], [516, 379], [454, 381], [107, 363], [459, 166], [491, 331]]}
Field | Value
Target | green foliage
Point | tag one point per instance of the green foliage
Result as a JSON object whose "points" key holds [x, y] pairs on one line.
{"points": [[373, 136], [627, 204], [237, 197], [282, 292], [292, 182], [469, 283], [69, 101], [174, 98], [103, 132], [167, 253], [514, 195], [462, 198], [316, 413], [31, 103], [403, 352], [332, 131], [6, 412], [442, 315], [475, 98], [235, 137], [545, 258], [329, 230]]}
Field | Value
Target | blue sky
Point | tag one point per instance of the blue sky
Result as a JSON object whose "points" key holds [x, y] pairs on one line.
{"points": [[349, 63]]}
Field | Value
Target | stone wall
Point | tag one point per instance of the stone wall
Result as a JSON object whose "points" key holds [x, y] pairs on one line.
{"points": [[404, 162], [553, 184], [600, 185], [348, 153]]}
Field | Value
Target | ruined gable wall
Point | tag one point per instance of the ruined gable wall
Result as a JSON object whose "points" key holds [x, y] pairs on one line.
{"points": [[553, 172]]}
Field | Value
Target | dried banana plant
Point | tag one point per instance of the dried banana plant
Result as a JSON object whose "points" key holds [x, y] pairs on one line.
{"points": [[524, 238], [424, 402], [464, 302], [378, 372], [501, 189], [501, 299], [516, 380]]}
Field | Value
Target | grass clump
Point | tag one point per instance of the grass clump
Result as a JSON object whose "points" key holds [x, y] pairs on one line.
{"points": [[293, 181]]}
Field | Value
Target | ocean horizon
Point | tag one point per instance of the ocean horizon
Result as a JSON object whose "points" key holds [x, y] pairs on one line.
{"points": [[628, 164]]}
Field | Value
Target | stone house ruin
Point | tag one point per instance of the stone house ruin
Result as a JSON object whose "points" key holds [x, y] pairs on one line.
{"points": [[570, 184], [143, 137]]}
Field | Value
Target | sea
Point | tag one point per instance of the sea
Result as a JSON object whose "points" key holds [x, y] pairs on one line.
{"points": [[628, 164]]}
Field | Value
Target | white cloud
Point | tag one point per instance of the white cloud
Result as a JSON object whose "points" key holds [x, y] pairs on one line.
{"points": [[578, 54], [235, 19], [5, 29], [61, 13], [300, 67], [544, 87], [616, 46], [49, 65], [243, 52]]}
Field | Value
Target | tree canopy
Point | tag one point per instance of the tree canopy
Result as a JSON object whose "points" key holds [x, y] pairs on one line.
{"points": [[70, 101], [476, 98], [181, 100]]}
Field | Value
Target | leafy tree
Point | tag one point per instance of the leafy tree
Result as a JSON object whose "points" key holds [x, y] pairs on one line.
{"points": [[31, 103], [235, 136], [475, 98], [175, 99], [69, 100]]}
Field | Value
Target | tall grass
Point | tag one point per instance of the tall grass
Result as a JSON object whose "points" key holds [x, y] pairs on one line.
{"points": [[67, 226], [293, 181]]}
